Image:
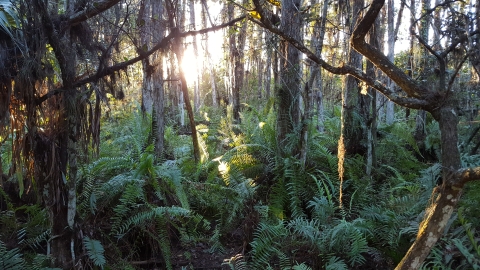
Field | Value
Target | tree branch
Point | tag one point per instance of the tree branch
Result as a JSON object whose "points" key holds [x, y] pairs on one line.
{"points": [[405, 82], [465, 175], [105, 71], [91, 9], [410, 102]]}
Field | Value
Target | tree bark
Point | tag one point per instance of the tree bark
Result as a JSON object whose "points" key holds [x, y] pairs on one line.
{"points": [[269, 40], [444, 198], [288, 91], [350, 128], [318, 83], [237, 45], [209, 64], [178, 48], [63, 204], [389, 106], [196, 89]]}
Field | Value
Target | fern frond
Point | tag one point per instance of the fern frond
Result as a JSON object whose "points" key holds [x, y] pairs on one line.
{"points": [[11, 259], [301, 266], [307, 229], [95, 251], [170, 173], [131, 197], [335, 263], [148, 215], [36, 241], [164, 240], [266, 243]]}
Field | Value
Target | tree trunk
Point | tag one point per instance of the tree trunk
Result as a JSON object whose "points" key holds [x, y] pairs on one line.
{"points": [[318, 84], [443, 198], [420, 122], [389, 106], [209, 64], [152, 88], [188, 105], [196, 89], [269, 39], [288, 91], [237, 45], [370, 100], [351, 128], [178, 49], [62, 189]]}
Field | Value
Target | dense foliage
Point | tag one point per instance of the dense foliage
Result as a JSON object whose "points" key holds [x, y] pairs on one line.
{"points": [[279, 215], [278, 166]]}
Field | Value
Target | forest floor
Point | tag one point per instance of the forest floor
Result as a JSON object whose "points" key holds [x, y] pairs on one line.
{"points": [[200, 257]]}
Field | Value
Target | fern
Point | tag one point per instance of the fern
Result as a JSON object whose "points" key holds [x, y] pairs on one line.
{"points": [[11, 259], [148, 215], [349, 238], [133, 196], [267, 243], [335, 263], [164, 240], [472, 254], [171, 174], [215, 243], [35, 242], [300, 267], [39, 261], [95, 251], [307, 229]]}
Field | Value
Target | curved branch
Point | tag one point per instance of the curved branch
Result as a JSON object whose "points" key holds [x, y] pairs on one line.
{"points": [[465, 175], [91, 9], [459, 40], [102, 72], [357, 41], [410, 102]]}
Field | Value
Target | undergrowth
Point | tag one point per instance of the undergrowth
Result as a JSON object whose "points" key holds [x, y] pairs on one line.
{"points": [[134, 206]]}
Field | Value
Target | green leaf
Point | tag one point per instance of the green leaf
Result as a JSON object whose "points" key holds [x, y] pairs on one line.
{"points": [[95, 251]]}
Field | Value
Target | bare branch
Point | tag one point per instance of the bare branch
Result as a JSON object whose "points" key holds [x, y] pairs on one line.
{"points": [[410, 102], [105, 71], [455, 73], [91, 10], [405, 82], [465, 175]]}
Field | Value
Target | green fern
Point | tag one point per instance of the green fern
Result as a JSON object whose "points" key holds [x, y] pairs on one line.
{"points": [[140, 218], [95, 251], [335, 263], [349, 238], [472, 253], [133, 196], [267, 243], [171, 174], [307, 229], [11, 259], [301, 266], [164, 239]]}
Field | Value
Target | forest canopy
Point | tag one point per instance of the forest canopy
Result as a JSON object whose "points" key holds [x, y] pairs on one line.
{"points": [[195, 134]]}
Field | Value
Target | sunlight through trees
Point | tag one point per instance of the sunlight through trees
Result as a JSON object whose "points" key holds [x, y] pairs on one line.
{"points": [[249, 134]]}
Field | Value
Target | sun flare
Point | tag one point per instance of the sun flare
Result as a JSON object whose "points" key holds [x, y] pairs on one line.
{"points": [[190, 65], [193, 66]]}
